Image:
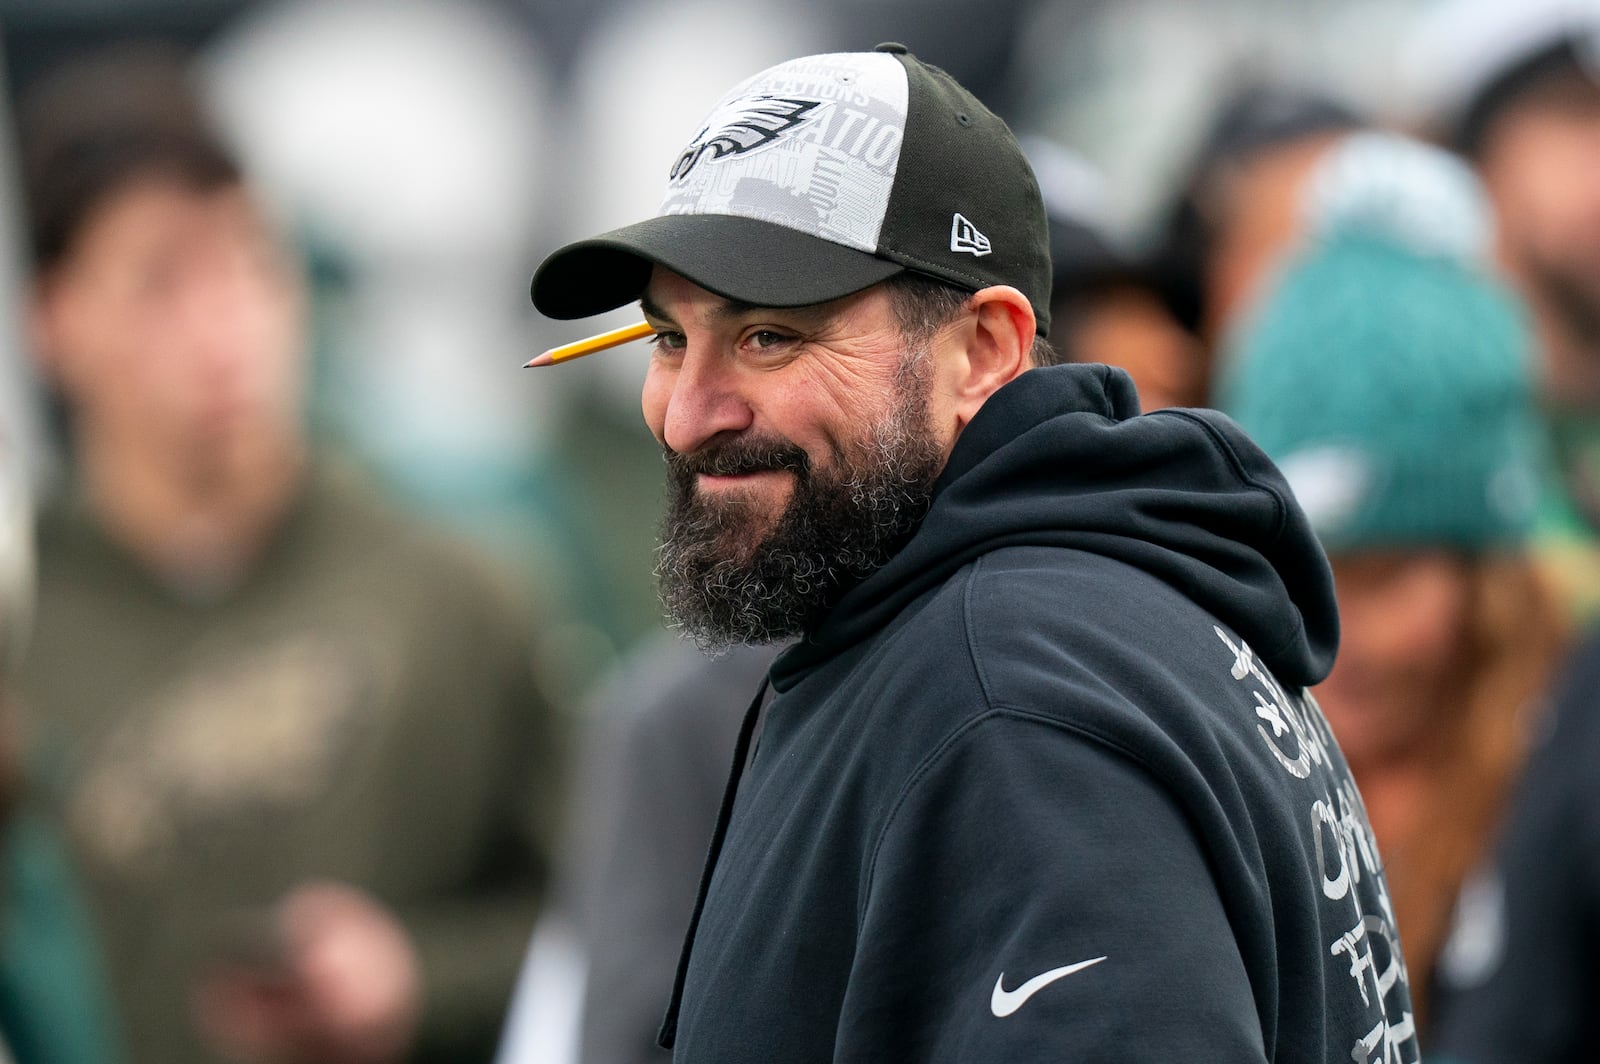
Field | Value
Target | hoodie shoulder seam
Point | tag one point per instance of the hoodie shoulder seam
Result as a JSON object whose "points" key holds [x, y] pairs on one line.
{"points": [[1279, 504], [970, 637]]}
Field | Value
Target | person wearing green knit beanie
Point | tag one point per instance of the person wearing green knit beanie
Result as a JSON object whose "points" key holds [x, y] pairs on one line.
{"points": [[1388, 374]]}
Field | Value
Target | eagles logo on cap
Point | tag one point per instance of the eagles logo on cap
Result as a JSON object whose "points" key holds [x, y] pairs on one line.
{"points": [[749, 124]]}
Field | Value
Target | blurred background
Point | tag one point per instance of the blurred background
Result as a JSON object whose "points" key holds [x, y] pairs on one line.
{"points": [[417, 159]]}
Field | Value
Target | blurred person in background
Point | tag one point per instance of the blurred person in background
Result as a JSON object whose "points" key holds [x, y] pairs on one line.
{"points": [[1521, 972], [1388, 373], [1107, 305], [410, 142], [54, 1006], [305, 764], [1236, 214], [1519, 95]]}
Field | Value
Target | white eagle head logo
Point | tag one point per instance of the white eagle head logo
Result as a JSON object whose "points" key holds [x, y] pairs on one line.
{"points": [[742, 126]]}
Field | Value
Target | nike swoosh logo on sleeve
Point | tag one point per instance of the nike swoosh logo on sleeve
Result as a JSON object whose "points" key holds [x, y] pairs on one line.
{"points": [[1004, 1002]]}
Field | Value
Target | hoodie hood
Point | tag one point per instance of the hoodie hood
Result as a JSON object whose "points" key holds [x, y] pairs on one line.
{"points": [[1061, 457]]}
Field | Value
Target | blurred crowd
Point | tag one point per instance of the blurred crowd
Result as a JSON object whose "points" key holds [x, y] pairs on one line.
{"points": [[337, 719]]}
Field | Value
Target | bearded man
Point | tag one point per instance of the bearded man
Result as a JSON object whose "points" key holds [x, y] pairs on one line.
{"points": [[1040, 779]]}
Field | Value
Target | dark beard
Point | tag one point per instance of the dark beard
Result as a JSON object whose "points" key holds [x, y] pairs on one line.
{"points": [[723, 582]]}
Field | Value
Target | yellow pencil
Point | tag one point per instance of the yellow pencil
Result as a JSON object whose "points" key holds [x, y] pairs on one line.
{"points": [[605, 340]]}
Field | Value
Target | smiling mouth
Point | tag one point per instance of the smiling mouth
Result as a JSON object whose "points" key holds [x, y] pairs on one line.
{"points": [[749, 476], [735, 474], [754, 465]]}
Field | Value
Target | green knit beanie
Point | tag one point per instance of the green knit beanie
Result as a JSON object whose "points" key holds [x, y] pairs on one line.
{"points": [[1386, 371]]}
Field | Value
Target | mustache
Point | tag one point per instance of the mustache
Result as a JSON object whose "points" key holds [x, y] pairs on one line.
{"points": [[737, 457]]}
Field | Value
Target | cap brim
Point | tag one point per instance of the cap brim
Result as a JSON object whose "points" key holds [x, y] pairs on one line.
{"points": [[745, 259]]}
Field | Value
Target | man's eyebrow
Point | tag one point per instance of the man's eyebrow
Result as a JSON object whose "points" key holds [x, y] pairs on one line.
{"points": [[727, 310], [652, 309], [732, 309]]}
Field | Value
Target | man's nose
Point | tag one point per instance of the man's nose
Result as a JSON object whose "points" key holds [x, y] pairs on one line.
{"points": [[704, 400]]}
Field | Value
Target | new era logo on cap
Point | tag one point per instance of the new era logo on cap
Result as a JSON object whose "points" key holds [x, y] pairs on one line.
{"points": [[964, 236]]}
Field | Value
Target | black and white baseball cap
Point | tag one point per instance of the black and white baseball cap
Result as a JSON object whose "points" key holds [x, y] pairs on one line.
{"points": [[818, 178]]}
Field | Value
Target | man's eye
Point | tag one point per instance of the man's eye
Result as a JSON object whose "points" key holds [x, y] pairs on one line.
{"points": [[669, 341], [767, 338]]}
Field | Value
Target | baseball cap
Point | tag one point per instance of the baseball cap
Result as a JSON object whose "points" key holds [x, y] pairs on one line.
{"points": [[820, 177]]}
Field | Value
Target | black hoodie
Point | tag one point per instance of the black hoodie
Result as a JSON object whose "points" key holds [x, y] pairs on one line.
{"points": [[1047, 787]]}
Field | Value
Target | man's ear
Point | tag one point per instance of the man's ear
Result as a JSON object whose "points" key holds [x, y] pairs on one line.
{"points": [[996, 337]]}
